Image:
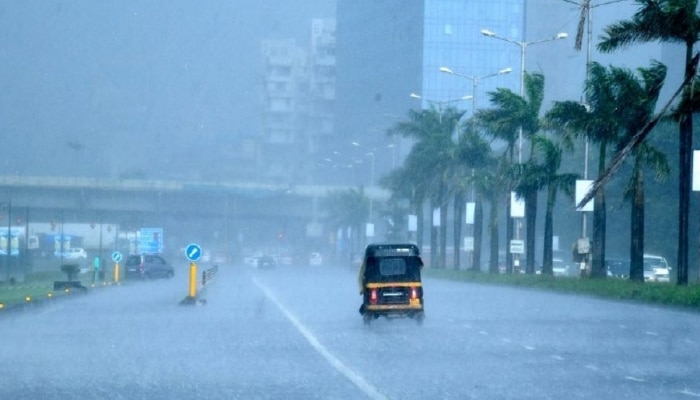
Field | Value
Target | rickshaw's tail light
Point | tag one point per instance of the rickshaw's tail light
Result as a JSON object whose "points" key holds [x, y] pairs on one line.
{"points": [[414, 293], [373, 296]]}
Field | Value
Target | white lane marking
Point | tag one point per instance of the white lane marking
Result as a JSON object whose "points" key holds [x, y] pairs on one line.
{"points": [[483, 333], [351, 375], [529, 348], [650, 333], [687, 392], [556, 357], [592, 367], [634, 379]]}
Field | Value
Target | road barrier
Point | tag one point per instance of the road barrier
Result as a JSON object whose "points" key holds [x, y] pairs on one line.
{"points": [[208, 275]]}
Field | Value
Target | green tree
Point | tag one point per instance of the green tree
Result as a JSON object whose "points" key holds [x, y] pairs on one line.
{"points": [[473, 154], [431, 162], [348, 209], [668, 21], [511, 112], [598, 121], [641, 97], [549, 151], [492, 184]]}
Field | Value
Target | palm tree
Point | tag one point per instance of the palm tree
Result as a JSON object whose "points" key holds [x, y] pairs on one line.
{"points": [[511, 112], [668, 21], [473, 154], [492, 183], [599, 122], [347, 208], [550, 153], [432, 160], [641, 98]]}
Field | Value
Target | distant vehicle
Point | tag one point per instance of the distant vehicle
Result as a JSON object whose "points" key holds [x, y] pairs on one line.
{"points": [[148, 266], [618, 268], [73, 253], [219, 258], [264, 262], [656, 269], [561, 268], [315, 259]]}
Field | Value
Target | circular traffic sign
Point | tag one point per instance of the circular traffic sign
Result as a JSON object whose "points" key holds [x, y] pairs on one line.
{"points": [[193, 252], [116, 256]]}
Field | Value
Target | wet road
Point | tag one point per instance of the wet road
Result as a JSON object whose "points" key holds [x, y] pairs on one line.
{"points": [[295, 333]]}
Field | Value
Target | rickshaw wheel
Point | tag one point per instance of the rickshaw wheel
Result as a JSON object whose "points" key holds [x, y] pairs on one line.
{"points": [[366, 318], [419, 319]]}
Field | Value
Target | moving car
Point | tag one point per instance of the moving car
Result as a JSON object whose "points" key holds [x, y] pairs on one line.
{"points": [[390, 282], [147, 266]]}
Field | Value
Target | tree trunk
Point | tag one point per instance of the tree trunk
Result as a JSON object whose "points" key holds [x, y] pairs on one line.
{"points": [[599, 215], [443, 234], [530, 221], [420, 223], [493, 238], [637, 222], [509, 237], [548, 253], [458, 218], [433, 237], [685, 172], [478, 233]]}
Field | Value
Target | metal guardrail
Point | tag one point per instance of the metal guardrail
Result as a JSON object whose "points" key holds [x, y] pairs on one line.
{"points": [[209, 274]]}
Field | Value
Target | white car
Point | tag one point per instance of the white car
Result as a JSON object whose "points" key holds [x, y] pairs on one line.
{"points": [[560, 268], [73, 253], [656, 269]]}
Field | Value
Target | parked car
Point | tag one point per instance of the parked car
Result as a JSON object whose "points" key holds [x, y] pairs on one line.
{"points": [[656, 269], [147, 266], [618, 268], [561, 268], [264, 262]]}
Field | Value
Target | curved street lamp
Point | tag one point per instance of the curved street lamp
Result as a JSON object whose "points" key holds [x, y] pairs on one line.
{"points": [[475, 80], [523, 46], [440, 103]]}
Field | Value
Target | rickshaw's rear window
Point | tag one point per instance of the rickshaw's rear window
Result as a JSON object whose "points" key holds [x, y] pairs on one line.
{"points": [[392, 266], [393, 251]]}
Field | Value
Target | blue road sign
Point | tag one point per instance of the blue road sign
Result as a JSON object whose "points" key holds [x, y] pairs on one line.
{"points": [[193, 252], [116, 256]]}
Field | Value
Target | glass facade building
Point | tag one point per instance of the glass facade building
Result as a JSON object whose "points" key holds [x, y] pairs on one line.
{"points": [[389, 49]]}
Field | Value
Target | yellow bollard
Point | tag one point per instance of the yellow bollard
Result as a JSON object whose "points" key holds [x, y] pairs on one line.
{"points": [[193, 280], [116, 272]]}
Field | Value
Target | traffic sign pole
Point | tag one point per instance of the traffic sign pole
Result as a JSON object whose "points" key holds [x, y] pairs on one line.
{"points": [[193, 279]]}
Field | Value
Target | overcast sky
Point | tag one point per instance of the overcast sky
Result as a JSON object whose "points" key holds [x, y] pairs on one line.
{"points": [[104, 82]]}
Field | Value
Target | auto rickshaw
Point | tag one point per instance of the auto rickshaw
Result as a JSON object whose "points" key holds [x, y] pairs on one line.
{"points": [[390, 282]]}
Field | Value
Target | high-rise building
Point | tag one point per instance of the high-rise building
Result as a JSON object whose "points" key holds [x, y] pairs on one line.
{"points": [[297, 104], [388, 49]]}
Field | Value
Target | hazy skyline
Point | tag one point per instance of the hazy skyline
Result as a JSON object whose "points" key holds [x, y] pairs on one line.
{"points": [[97, 86]]}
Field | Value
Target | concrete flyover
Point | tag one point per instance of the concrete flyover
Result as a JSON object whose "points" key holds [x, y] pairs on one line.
{"points": [[194, 205]]}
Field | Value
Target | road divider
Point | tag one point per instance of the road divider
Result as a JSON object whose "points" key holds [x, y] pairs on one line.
{"points": [[208, 275]]}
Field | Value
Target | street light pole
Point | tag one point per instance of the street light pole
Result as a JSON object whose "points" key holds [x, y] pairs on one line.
{"points": [[475, 80], [440, 103], [523, 46]]}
